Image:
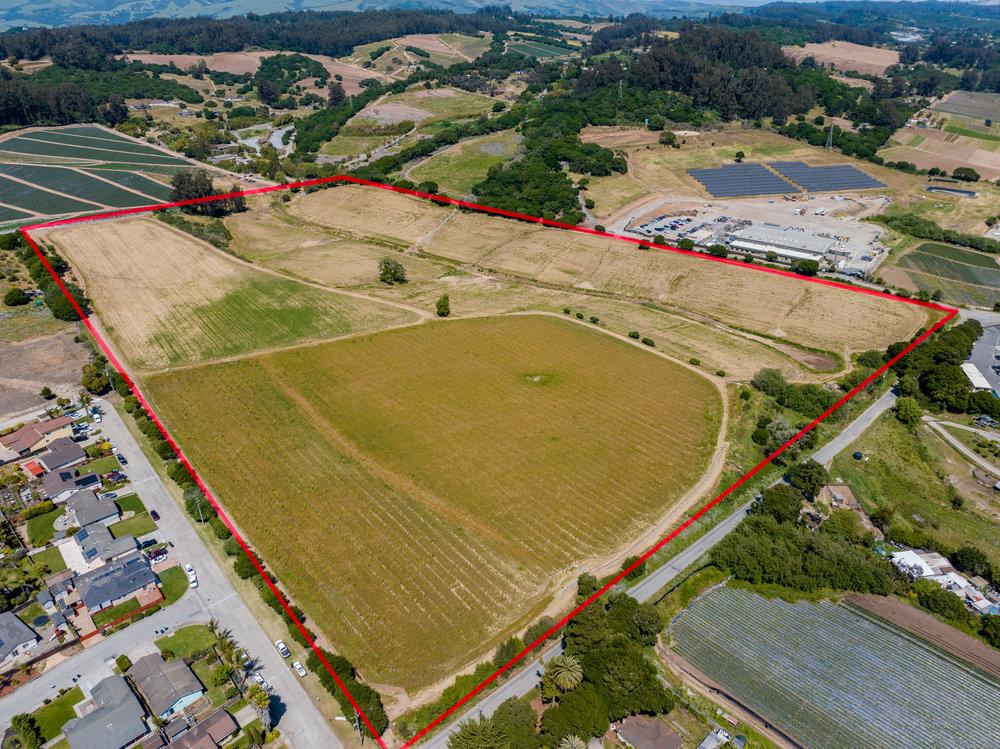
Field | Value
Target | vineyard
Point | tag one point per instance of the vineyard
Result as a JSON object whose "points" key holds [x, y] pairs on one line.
{"points": [[832, 677], [185, 302], [437, 485]]}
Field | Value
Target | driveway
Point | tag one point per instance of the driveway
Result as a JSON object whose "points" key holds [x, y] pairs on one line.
{"points": [[301, 724]]}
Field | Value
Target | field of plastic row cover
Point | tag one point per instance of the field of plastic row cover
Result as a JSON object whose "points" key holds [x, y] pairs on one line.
{"points": [[830, 677], [50, 172]]}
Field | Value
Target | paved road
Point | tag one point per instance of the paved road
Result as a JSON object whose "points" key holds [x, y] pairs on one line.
{"points": [[961, 447], [301, 724], [529, 676]]}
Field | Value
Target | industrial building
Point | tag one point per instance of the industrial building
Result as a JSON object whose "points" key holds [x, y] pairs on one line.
{"points": [[787, 243]]}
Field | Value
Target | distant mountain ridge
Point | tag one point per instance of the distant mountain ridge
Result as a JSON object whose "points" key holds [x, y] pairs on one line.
{"points": [[29, 13]]}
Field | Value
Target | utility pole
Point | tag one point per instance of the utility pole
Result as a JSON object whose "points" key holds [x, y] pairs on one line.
{"points": [[621, 83], [829, 139], [357, 725]]}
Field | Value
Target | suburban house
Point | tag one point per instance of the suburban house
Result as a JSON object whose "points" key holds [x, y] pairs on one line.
{"points": [[33, 437], [56, 612], [209, 734], [115, 582], [116, 718], [98, 546], [642, 732], [85, 509], [16, 638], [168, 686], [62, 453], [60, 485]]}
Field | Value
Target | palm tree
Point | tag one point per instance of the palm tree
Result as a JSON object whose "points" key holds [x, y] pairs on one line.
{"points": [[571, 742], [261, 702], [566, 670]]}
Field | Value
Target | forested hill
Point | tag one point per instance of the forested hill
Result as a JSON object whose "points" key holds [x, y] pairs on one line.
{"points": [[333, 34]]}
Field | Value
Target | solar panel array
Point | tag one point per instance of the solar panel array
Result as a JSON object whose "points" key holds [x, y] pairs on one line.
{"points": [[741, 180], [824, 178]]}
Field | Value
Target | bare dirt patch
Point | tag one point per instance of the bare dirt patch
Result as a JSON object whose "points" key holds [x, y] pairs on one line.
{"points": [[846, 56], [970, 649], [393, 113], [26, 367]]}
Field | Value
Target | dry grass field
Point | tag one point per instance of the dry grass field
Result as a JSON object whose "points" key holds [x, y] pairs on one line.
{"points": [[807, 314], [846, 56], [928, 147], [168, 299], [249, 62], [430, 510]]}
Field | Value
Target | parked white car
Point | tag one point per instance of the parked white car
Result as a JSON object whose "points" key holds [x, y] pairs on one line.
{"points": [[283, 649], [299, 669], [260, 680], [192, 576]]}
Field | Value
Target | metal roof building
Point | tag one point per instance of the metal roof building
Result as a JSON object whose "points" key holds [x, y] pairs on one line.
{"points": [[976, 378], [787, 243]]}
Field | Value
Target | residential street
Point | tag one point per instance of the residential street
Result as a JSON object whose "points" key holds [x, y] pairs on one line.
{"points": [[300, 723], [528, 677]]}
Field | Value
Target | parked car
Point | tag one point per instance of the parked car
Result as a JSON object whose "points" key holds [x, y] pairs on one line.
{"points": [[283, 649], [154, 514], [260, 680], [98, 419], [109, 495], [122, 459], [299, 669], [158, 556], [189, 569]]}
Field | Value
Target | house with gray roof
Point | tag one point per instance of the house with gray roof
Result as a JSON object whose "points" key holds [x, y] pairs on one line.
{"points": [[62, 453], [168, 686], [98, 546], [60, 485], [115, 582], [116, 719], [16, 638], [86, 508]]}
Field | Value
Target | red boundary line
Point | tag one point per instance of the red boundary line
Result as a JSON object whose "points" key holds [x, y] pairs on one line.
{"points": [[950, 312]]}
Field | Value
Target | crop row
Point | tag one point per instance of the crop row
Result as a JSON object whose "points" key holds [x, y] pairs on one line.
{"points": [[39, 201], [75, 183], [831, 677]]}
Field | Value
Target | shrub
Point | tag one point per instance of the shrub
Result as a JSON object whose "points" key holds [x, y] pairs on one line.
{"points": [[579, 315], [15, 297], [594, 320], [232, 546], [694, 360], [391, 271], [634, 334], [649, 341], [123, 663], [638, 572], [221, 531], [443, 306], [720, 373], [243, 567], [567, 311], [40, 509]]}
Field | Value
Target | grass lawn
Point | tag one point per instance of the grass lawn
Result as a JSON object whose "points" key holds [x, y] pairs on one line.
{"points": [[242, 741], [52, 717], [687, 589], [106, 616], [107, 464], [51, 558], [203, 670], [138, 525], [29, 614], [40, 530], [130, 503], [173, 584], [186, 640], [352, 145], [905, 470]]}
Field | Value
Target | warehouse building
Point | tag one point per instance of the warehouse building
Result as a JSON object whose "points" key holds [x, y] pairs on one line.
{"points": [[786, 244]]}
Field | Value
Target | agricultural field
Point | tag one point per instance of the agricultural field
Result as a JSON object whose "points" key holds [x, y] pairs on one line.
{"points": [[426, 106], [947, 148], [494, 479], [841, 55], [903, 470], [393, 59], [195, 303], [530, 47], [968, 277], [853, 668], [52, 172], [458, 168], [805, 314], [611, 194], [977, 105]]}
